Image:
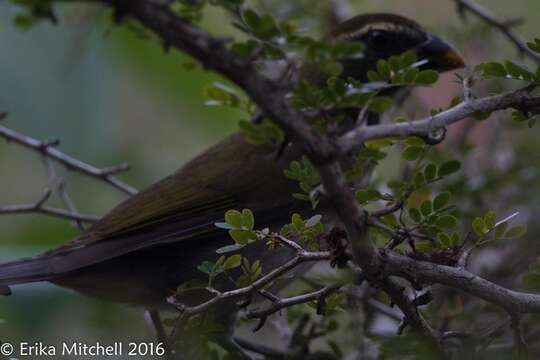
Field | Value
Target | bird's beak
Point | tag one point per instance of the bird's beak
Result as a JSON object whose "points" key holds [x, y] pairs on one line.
{"points": [[440, 55]]}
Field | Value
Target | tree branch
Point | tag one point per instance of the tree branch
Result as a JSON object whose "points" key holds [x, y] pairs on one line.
{"points": [[425, 272], [520, 99], [504, 26], [278, 303], [39, 208], [247, 291], [47, 149]]}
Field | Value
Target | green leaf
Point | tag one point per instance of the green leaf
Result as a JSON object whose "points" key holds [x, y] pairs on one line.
{"points": [[479, 227], [297, 222], [365, 196], [380, 104], [446, 221], [206, 267], [25, 22], [248, 220], [500, 230], [441, 200], [419, 180], [493, 69], [412, 153], [242, 237], [408, 59], [410, 76], [449, 167], [414, 141], [534, 46], [518, 72], [314, 220], [415, 215], [430, 172], [515, 232], [223, 225], [444, 240], [490, 219], [427, 77], [219, 94], [234, 219], [426, 208], [229, 248], [232, 262], [383, 69], [454, 240], [373, 76]]}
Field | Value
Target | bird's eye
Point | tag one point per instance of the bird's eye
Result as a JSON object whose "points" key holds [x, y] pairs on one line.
{"points": [[377, 36]]}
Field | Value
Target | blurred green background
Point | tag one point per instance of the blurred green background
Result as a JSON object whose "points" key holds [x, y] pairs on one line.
{"points": [[112, 97]]}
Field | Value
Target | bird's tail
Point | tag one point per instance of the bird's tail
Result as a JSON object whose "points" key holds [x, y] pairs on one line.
{"points": [[24, 270]]}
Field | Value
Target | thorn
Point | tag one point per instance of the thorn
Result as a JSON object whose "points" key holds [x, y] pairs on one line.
{"points": [[260, 324]]}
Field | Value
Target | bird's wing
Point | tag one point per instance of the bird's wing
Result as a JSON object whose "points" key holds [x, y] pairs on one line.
{"points": [[185, 205]]}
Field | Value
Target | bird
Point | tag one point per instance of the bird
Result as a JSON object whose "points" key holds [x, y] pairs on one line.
{"points": [[150, 244]]}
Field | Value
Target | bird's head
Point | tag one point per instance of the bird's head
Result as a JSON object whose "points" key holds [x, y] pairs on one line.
{"points": [[385, 35]]}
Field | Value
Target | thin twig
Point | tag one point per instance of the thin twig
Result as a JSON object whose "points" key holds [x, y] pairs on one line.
{"points": [[300, 257], [71, 163], [38, 207], [278, 304], [502, 25], [59, 184], [519, 339]]}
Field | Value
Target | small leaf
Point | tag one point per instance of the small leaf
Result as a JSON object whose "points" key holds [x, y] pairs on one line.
{"points": [[223, 225], [446, 221], [383, 69], [426, 208], [444, 240], [490, 219], [500, 230], [234, 219], [414, 141], [229, 248], [242, 237], [515, 232], [314, 220], [479, 227], [408, 59], [412, 153], [380, 104], [415, 215], [232, 262], [454, 240], [365, 196], [441, 200], [373, 76], [248, 219], [206, 267], [410, 76], [419, 180], [427, 77], [449, 167], [493, 69], [430, 172]]}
